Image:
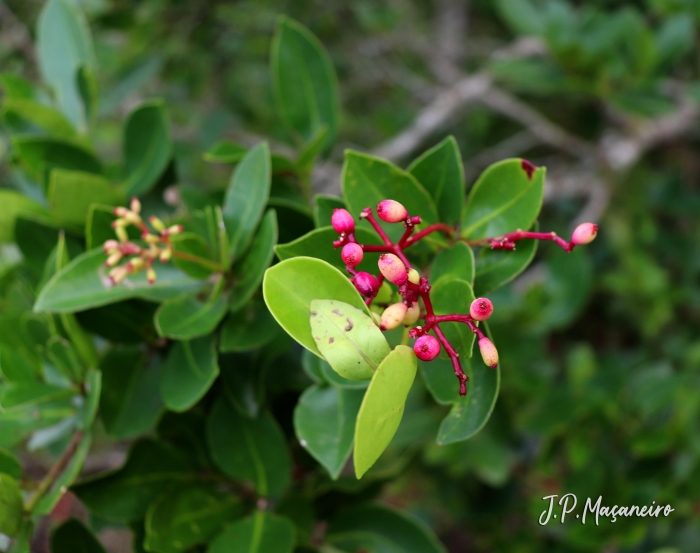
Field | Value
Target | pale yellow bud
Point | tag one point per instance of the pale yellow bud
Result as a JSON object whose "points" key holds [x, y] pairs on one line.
{"points": [[113, 259], [121, 233], [135, 205], [135, 265], [157, 223], [165, 255], [413, 276], [118, 274], [393, 316], [412, 314], [151, 275]]}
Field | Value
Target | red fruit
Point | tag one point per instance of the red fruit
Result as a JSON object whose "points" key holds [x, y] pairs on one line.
{"points": [[427, 347], [366, 284], [342, 221], [481, 309], [391, 211], [352, 254]]}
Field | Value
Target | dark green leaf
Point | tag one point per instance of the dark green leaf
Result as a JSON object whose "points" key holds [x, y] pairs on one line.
{"points": [[312, 148], [147, 147], [187, 317], [250, 328], [324, 420], [39, 155], [188, 372], [305, 87], [453, 295], [15, 205], [35, 240], [192, 244], [522, 16], [242, 376], [63, 356], [225, 152], [261, 533], [98, 226], [87, 87], [455, 262], [93, 390], [11, 506], [44, 117], [73, 537], [441, 172], [124, 322], [9, 464], [323, 209], [250, 450]]}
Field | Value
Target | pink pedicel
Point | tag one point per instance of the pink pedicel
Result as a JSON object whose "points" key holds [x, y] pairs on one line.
{"points": [[585, 233], [393, 268], [481, 309], [352, 254], [427, 347], [366, 284], [342, 221], [391, 211]]}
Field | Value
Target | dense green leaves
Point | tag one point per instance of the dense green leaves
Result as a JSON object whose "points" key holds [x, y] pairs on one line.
{"points": [[454, 262], [441, 172], [494, 268], [507, 197], [382, 407], [347, 338], [10, 465], [324, 420], [323, 209], [251, 327], [288, 294], [71, 193], [188, 317], [147, 147], [39, 155], [72, 536], [251, 450], [188, 372], [368, 180], [304, 82], [10, 505], [14, 205], [453, 295], [246, 197], [260, 533]]}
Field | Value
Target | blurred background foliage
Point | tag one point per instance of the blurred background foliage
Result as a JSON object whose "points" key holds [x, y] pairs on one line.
{"points": [[600, 349]]}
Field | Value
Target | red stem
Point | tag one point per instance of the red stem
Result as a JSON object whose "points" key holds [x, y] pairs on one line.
{"points": [[430, 229], [507, 241]]}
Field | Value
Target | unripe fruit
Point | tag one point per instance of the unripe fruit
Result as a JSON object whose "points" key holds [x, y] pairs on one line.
{"points": [[366, 284], [393, 316], [391, 211], [481, 309], [352, 254], [489, 353], [412, 314], [413, 276], [393, 268], [585, 233], [427, 347], [342, 221]]}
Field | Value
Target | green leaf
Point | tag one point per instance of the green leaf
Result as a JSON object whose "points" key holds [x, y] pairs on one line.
{"points": [[83, 341], [14, 206], [92, 386], [250, 450], [441, 172], [382, 407], [453, 295], [89, 93], [187, 317], [64, 358], [39, 155], [323, 209], [16, 87], [249, 271], [45, 117], [130, 402], [250, 328], [290, 286], [10, 465], [522, 16], [347, 338], [368, 180], [324, 420], [455, 262], [506, 197], [225, 152], [320, 371], [186, 516], [98, 226], [381, 529], [147, 147], [72, 537], [125, 494], [246, 197], [188, 372], [311, 149], [64, 45], [260, 533], [319, 244], [244, 387], [192, 244], [11, 506], [84, 284], [305, 87], [494, 268]]}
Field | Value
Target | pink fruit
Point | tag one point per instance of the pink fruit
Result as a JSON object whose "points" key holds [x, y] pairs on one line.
{"points": [[427, 347]]}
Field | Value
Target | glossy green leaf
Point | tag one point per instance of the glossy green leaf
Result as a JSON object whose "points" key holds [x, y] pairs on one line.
{"points": [[11, 506], [14, 206], [347, 338], [72, 537], [147, 147], [39, 115], [312, 148], [381, 529], [323, 209], [83, 342], [494, 268], [186, 432], [441, 172], [10, 465], [63, 356], [249, 328], [455, 262], [304, 87], [84, 284], [324, 420], [288, 292], [506, 197], [243, 380], [246, 197], [63, 45], [39, 155], [188, 372], [35, 239], [319, 244], [130, 402], [453, 295], [292, 219], [225, 152], [260, 533], [187, 317], [125, 494], [250, 450], [368, 180], [249, 271], [186, 516], [382, 407]]}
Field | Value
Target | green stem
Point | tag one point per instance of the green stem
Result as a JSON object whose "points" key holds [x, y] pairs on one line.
{"points": [[199, 260]]}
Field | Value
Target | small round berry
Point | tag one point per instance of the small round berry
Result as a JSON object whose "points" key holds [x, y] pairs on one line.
{"points": [[342, 221], [585, 233], [481, 309], [393, 316], [412, 314], [352, 254], [391, 211], [489, 353], [413, 276], [393, 268], [366, 284], [427, 347]]}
